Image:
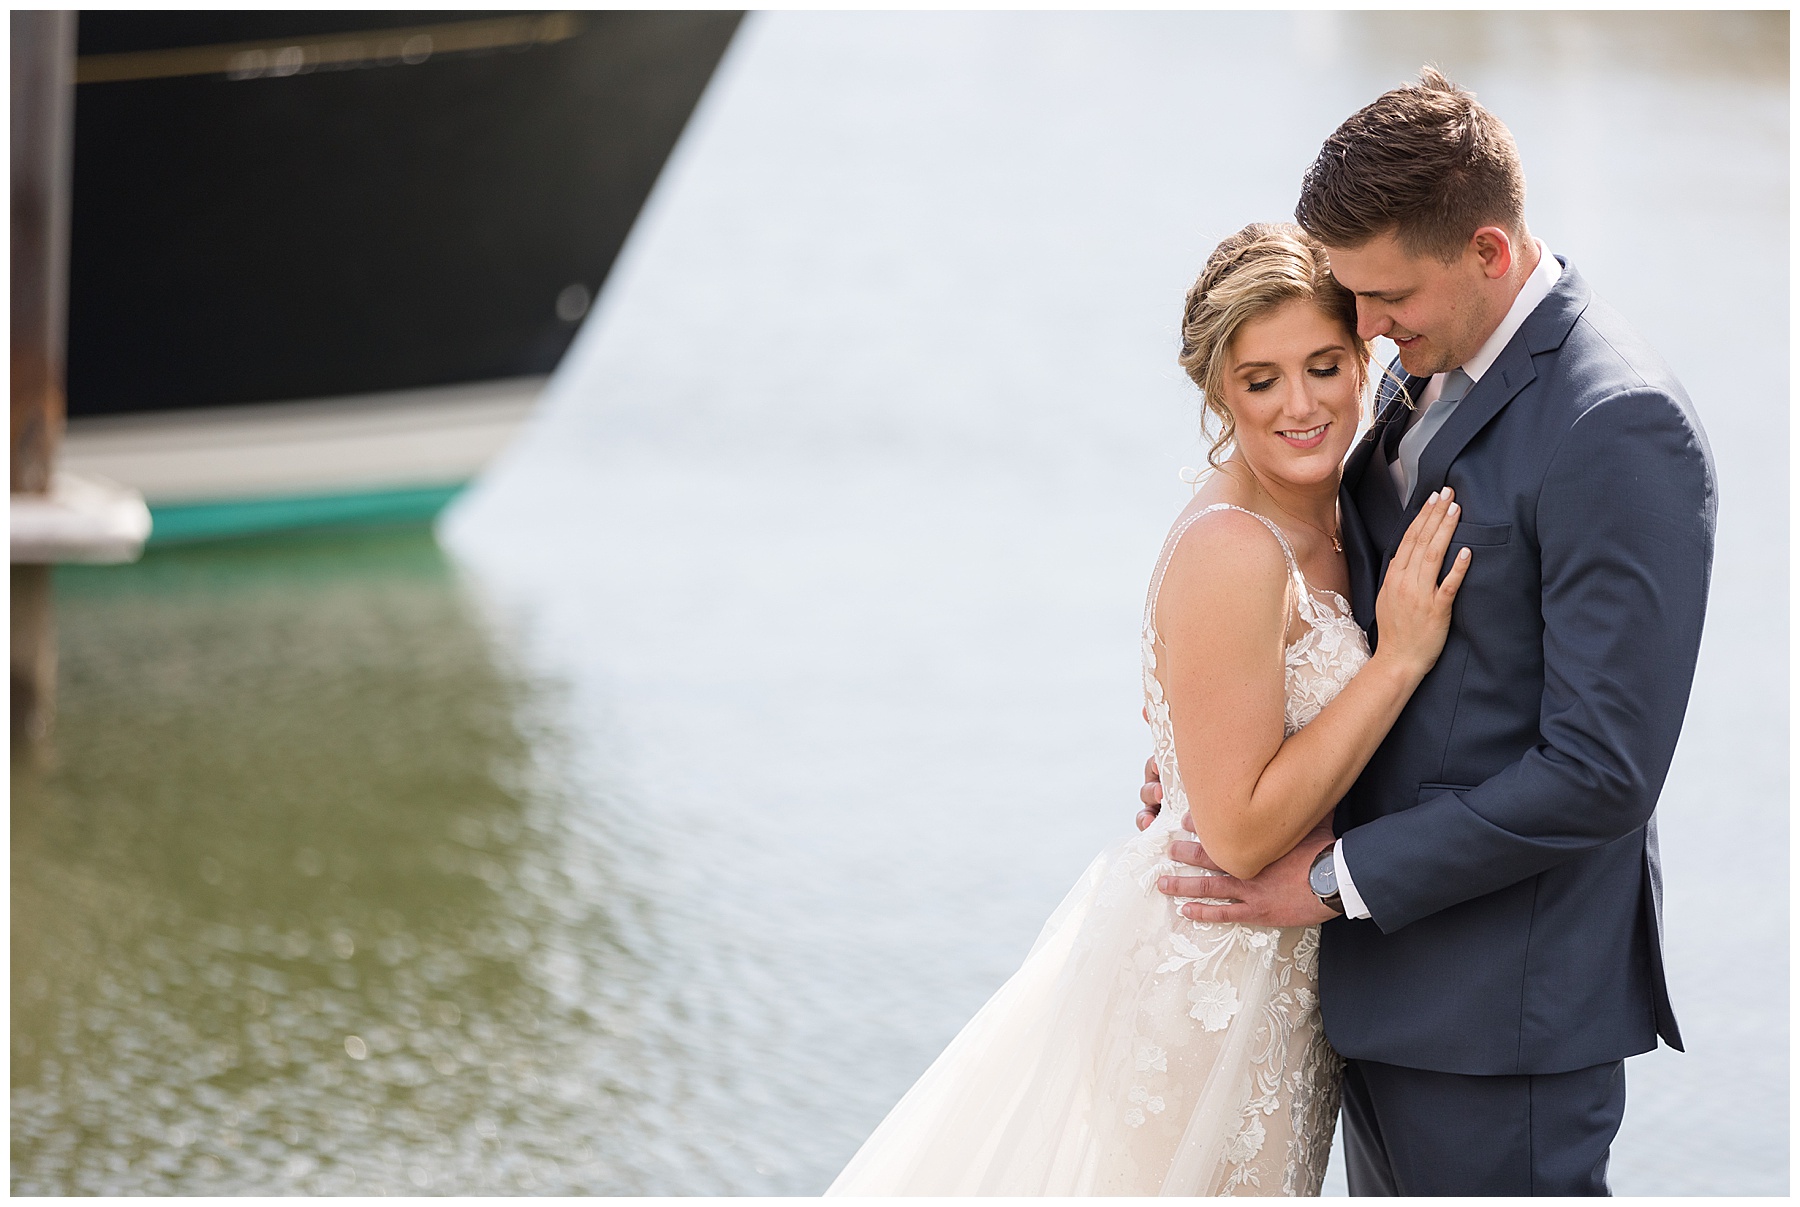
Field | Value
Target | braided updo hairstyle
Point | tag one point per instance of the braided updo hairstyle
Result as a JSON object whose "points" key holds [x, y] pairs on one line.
{"points": [[1249, 274]]}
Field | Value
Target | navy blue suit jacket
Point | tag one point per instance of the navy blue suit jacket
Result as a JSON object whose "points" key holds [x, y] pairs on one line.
{"points": [[1503, 836]]}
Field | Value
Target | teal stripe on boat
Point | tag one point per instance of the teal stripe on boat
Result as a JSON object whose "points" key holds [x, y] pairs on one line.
{"points": [[176, 523]]}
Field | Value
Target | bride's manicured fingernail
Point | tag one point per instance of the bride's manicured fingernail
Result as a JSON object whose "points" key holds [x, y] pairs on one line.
{"points": [[1431, 498], [1452, 509]]}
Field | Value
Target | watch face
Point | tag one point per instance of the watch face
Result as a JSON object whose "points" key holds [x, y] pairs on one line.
{"points": [[1324, 877]]}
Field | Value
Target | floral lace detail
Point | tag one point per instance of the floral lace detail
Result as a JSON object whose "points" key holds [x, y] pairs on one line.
{"points": [[1261, 979], [1323, 658], [1135, 1052]]}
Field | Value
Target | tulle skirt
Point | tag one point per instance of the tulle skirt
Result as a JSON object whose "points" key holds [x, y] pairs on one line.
{"points": [[1134, 1053]]}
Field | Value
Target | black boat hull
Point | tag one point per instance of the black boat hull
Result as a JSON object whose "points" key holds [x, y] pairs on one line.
{"points": [[356, 225]]}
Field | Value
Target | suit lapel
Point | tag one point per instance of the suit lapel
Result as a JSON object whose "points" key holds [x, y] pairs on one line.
{"points": [[1361, 555], [1497, 387], [1544, 330], [1369, 503]]}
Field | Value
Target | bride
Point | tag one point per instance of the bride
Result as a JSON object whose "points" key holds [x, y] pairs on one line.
{"points": [[1137, 1052]]}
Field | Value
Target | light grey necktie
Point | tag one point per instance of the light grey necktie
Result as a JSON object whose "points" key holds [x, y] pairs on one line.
{"points": [[1406, 460]]}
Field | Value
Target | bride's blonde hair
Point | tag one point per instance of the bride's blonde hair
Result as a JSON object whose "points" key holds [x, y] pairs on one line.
{"points": [[1249, 274]]}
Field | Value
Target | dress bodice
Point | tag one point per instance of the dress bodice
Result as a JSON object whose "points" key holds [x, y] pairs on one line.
{"points": [[1325, 656]]}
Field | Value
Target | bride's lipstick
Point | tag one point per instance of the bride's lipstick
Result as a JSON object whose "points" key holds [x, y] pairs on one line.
{"points": [[1311, 437]]}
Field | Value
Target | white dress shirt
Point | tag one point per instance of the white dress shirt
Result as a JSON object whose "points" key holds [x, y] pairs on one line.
{"points": [[1427, 420]]}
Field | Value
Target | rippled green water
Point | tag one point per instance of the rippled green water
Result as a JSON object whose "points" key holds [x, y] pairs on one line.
{"points": [[295, 907]]}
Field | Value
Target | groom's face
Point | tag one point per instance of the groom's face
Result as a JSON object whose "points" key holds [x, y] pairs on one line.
{"points": [[1437, 313]]}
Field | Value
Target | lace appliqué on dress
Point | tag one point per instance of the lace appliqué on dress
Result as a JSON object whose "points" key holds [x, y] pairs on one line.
{"points": [[1289, 1074], [1135, 1052]]}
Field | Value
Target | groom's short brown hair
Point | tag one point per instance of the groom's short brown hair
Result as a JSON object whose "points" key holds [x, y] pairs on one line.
{"points": [[1425, 162]]}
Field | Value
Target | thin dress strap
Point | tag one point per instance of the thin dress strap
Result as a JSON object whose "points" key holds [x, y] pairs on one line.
{"points": [[1297, 580]]}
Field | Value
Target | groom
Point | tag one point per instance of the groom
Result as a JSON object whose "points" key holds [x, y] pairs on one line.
{"points": [[1492, 900]]}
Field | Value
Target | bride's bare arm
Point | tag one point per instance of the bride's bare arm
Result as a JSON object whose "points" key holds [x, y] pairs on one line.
{"points": [[1221, 614]]}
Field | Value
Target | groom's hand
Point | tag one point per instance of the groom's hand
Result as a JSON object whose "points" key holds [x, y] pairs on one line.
{"points": [[1150, 793], [1279, 895]]}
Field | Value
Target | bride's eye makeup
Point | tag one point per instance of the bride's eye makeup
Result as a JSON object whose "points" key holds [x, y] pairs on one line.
{"points": [[1326, 371], [1257, 387]]}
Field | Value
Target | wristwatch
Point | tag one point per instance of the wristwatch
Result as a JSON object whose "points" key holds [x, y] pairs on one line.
{"points": [[1322, 879]]}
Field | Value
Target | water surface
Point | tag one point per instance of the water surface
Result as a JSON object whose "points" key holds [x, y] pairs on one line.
{"points": [[304, 904]]}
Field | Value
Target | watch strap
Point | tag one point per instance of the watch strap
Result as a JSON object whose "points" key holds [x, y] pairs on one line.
{"points": [[1335, 901]]}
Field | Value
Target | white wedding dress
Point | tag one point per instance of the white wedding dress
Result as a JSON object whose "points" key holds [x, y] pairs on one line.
{"points": [[1137, 1052]]}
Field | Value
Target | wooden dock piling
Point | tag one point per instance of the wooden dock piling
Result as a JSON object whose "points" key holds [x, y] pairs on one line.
{"points": [[43, 58]]}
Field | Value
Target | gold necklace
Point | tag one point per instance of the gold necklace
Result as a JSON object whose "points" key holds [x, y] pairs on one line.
{"points": [[1332, 537]]}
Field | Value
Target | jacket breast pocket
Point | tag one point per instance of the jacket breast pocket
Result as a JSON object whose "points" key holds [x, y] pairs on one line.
{"points": [[1477, 535]]}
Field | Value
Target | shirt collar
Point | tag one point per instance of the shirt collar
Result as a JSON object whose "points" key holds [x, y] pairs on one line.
{"points": [[1537, 287]]}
